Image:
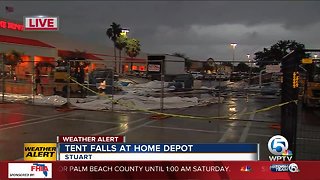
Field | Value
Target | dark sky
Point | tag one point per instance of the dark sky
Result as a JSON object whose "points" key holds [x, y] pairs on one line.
{"points": [[198, 29]]}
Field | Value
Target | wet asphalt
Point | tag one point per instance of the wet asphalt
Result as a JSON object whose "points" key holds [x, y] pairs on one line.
{"points": [[20, 123]]}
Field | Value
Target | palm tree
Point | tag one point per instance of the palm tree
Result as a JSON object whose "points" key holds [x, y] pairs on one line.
{"points": [[12, 58], [121, 43], [113, 33], [132, 48]]}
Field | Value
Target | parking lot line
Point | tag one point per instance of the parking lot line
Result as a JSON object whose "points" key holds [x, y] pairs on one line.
{"points": [[183, 129], [107, 130], [23, 114], [245, 131], [137, 127], [230, 129], [33, 119], [45, 119], [201, 130], [90, 121]]}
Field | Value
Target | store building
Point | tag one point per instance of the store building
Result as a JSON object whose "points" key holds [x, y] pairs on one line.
{"points": [[98, 54], [49, 46]]}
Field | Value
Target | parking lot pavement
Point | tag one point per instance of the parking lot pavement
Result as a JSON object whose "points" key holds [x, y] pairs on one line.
{"points": [[21, 123], [24, 123]]}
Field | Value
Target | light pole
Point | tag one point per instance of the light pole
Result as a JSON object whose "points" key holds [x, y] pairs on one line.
{"points": [[210, 62], [123, 33], [233, 45], [250, 72]]}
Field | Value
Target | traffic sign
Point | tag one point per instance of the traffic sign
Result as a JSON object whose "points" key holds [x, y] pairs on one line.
{"points": [[273, 68]]}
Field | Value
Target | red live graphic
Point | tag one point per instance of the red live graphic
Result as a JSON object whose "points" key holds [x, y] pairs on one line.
{"points": [[41, 23]]}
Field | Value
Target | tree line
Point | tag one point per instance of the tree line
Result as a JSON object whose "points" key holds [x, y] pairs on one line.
{"points": [[268, 56]]}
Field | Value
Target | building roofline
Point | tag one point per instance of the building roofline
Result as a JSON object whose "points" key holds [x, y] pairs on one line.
{"points": [[23, 41]]}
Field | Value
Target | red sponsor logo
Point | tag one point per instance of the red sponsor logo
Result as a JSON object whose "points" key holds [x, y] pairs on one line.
{"points": [[41, 23]]}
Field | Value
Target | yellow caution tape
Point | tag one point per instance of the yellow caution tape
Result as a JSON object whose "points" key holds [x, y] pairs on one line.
{"points": [[186, 116]]}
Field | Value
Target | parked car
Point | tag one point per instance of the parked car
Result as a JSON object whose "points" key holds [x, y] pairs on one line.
{"points": [[4, 74], [238, 76], [182, 82], [100, 75], [197, 75], [235, 76], [210, 76], [222, 76]]}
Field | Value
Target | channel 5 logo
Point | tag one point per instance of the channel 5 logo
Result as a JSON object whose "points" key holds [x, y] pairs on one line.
{"points": [[279, 147]]}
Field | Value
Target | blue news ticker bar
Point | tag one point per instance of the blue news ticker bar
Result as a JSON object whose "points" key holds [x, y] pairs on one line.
{"points": [[161, 148]]}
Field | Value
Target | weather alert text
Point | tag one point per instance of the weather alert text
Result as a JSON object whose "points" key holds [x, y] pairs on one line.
{"points": [[40, 151]]}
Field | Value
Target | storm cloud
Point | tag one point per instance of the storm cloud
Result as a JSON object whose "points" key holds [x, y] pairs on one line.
{"points": [[198, 29]]}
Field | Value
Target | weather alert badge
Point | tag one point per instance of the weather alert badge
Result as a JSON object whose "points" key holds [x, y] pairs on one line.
{"points": [[40, 151], [279, 147], [29, 170]]}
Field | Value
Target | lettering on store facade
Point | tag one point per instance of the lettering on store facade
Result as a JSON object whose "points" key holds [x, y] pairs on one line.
{"points": [[10, 25]]}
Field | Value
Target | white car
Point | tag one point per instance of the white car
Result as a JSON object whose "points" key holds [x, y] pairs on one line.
{"points": [[197, 75]]}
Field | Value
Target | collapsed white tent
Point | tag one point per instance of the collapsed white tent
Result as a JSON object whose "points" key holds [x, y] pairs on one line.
{"points": [[136, 98], [126, 102]]}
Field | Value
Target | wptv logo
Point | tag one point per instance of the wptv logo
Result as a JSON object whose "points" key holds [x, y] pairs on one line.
{"points": [[279, 147]]}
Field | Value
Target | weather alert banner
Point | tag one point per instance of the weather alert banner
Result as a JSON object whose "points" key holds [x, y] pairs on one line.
{"points": [[157, 152], [40, 151]]}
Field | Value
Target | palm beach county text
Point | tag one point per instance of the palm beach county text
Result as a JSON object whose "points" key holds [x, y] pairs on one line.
{"points": [[145, 168]]}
